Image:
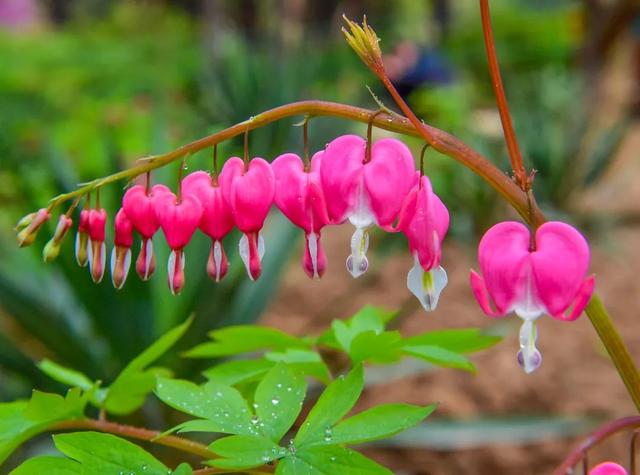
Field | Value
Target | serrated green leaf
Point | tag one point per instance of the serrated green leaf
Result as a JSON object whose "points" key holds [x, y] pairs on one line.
{"points": [[370, 318], [367, 319], [243, 452], [378, 423], [278, 401], [440, 356], [463, 340], [306, 362], [19, 421], [238, 371], [130, 389], [106, 453], [329, 460], [239, 339], [221, 405], [335, 401], [48, 465], [65, 375], [376, 347]]}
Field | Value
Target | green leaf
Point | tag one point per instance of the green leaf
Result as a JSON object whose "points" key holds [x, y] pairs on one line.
{"points": [[306, 362], [222, 406], [65, 375], [336, 401], [440, 356], [278, 401], [238, 371], [239, 339], [329, 460], [48, 465], [19, 421], [210, 402], [378, 423], [464, 340], [367, 319], [135, 382], [243, 452], [376, 347], [183, 469], [106, 453]]}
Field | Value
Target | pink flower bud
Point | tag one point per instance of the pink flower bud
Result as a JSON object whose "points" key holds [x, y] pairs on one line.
{"points": [[82, 248], [250, 195], [97, 257], [299, 196], [52, 248], [30, 225], [121, 253], [608, 468]]}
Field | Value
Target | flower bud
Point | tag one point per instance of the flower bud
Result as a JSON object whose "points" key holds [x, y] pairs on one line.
{"points": [[52, 248], [82, 239], [97, 258], [30, 225]]}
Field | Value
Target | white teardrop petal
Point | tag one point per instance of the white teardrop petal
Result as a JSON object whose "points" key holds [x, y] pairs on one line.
{"points": [[427, 285], [243, 249], [357, 262]]}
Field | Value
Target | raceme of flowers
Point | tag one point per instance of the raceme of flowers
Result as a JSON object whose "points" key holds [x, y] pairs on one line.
{"points": [[351, 180]]}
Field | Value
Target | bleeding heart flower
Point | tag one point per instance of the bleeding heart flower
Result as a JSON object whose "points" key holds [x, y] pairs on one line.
{"points": [[300, 198], [608, 468], [178, 220], [121, 252], [424, 219], [29, 226], [365, 192], [250, 194], [82, 249], [216, 221], [97, 255], [546, 278], [138, 207], [52, 248]]}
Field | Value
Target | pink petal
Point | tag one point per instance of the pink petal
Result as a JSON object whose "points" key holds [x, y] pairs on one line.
{"points": [[139, 209], [559, 265], [217, 219], [123, 235], [482, 296], [146, 261], [178, 220], [217, 264], [503, 255], [97, 224], [388, 178], [608, 468], [580, 302], [250, 193], [341, 175]]}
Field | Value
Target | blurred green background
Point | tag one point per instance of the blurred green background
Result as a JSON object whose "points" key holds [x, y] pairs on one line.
{"points": [[87, 87]]}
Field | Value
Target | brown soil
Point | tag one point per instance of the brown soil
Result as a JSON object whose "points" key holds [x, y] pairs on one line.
{"points": [[576, 377]]}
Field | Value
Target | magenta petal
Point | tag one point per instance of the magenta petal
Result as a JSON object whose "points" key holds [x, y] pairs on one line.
{"points": [[503, 255], [139, 209], [250, 193], [175, 271], [608, 468], [559, 265], [123, 234], [97, 224], [217, 219], [388, 177], [580, 302], [178, 220], [217, 264], [341, 175], [482, 296]]}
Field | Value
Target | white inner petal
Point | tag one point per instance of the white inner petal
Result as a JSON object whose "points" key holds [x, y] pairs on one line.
{"points": [[217, 258], [77, 250], [148, 256], [243, 249], [528, 306], [529, 357], [357, 262], [171, 267], [426, 286], [312, 243], [261, 247], [361, 216]]}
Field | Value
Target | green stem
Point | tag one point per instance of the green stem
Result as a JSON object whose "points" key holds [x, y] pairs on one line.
{"points": [[608, 333], [138, 433]]}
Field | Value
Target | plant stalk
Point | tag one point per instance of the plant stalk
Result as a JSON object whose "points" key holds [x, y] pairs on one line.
{"points": [[138, 433]]}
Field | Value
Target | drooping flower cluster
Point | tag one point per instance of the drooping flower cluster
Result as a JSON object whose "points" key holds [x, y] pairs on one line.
{"points": [[532, 276], [351, 179]]}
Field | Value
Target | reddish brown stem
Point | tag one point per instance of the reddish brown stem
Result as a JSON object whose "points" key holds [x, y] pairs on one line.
{"points": [[138, 433], [503, 107], [600, 434]]}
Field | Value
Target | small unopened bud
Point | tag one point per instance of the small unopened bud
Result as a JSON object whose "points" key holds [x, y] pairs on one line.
{"points": [[82, 239], [218, 264], [30, 225], [97, 260], [52, 248], [146, 261]]}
